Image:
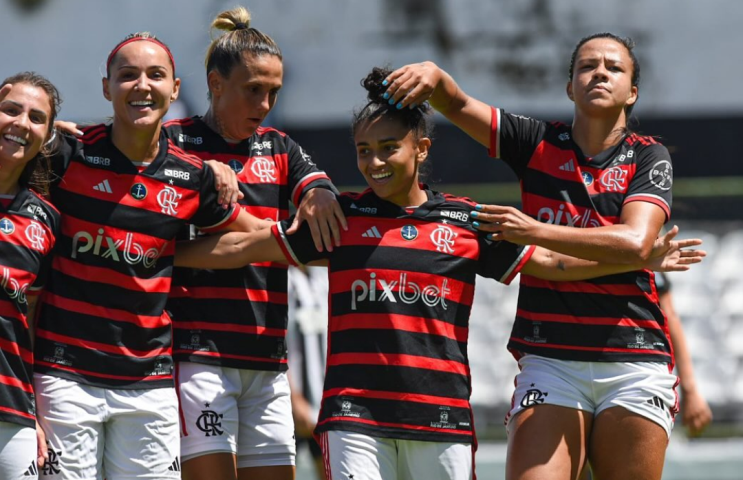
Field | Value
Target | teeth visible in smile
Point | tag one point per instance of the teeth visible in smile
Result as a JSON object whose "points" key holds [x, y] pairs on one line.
{"points": [[15, 139], [141, 103], [379, 176]]}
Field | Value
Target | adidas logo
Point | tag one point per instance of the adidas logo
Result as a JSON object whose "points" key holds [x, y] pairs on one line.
{"points": [[32, 471], [372, 233], [104, 186], [176, 466], [568, 166], [656, 402]]}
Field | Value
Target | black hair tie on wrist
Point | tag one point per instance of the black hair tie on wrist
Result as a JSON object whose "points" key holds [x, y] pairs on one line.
{"points": [[241, 26]]}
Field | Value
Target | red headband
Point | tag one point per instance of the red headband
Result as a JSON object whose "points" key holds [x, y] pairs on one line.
{"points": [[135, 39]]}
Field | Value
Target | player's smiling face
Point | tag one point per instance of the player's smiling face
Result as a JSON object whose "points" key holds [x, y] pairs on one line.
{"points": [[388, 155], [602, 77], [241, 101], [25, 113], [141, 85]]}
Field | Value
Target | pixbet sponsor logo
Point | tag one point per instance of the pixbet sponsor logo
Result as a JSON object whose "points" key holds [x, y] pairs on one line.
{"points": [[563, 217], [107, 247], [12, 287], [400, 290]]}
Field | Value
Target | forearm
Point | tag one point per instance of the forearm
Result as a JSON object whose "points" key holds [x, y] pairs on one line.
{"points": [[469, 114], [682, 356], [554, 266], [612, 244], [229, 250]]}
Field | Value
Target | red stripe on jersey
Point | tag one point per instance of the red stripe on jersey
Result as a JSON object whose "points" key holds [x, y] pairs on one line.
{"points": [[14, 382], [403, 426], [279, 236], [247, 358], [102, 347], [399, 360], [265, 130], [183, 155], [136, 244], [650, 199], [17, 412], [494, 148], [81, 179], [402, 397], [93, 134], [582, 287], [224, 223], [231, 327], [556, 212], [266, 213], [299, 188], [614, 179], [179, 121], [558, 318], [25, 227], [16, 350], [9, 309], [400, 280], [105, 275], [84, 308], [79, 371], [556, 162], [229, 293], [592, 349], [391, 321], [525, 256]]}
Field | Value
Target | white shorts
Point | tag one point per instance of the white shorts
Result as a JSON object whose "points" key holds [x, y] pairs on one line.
{"points": [[363, 457], [17, 452], [244, 412], [117, 434], [644, 388]]}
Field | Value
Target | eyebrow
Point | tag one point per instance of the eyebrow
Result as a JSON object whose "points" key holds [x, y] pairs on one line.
{"points": [[34, 110], [384, 140]]}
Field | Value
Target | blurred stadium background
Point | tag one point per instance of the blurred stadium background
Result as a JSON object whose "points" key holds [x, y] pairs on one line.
{"points": [[514, 54]]}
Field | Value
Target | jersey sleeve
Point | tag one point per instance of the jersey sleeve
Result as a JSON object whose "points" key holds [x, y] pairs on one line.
{"points": [[65, 148], [298, 248], [653, 178], [210, 216], [502, 260], [513, 138], [304, 174]]}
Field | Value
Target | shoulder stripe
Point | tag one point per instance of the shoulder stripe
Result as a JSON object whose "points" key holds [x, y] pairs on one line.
{"points": [[182, 155], [265, 130], [184, 122]]}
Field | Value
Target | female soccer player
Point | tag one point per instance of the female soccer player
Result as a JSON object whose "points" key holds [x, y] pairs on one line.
{"points": [[397, 388], [28, 229], [230, 326], [569, 338], [103, 371]]}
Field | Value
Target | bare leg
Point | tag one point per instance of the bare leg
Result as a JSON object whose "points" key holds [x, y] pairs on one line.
{"points": [[625, 445], [547, 442], [279, 472], [222, 466]]}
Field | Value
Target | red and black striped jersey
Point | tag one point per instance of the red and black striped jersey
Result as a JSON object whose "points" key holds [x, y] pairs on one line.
{"points": [[238, 318], [400, 294], [28, 231], [102, 320], [614, 318]]}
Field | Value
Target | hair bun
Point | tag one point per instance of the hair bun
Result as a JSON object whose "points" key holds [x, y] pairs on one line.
{"points": [[373, 84], [241, 26]]}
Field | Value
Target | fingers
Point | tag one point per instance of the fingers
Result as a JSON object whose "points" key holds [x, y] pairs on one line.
{"points": [[409, 85], [316, 232], [68, 127], [689, 242]]}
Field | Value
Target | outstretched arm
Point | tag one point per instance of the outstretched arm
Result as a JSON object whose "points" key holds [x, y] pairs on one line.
{"points": [[420, 82], [229, 250], [695, 412], [668, 256]]}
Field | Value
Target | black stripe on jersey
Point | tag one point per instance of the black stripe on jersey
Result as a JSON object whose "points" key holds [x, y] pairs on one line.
{"points": [[389, 411], [260, 194], [422, 381], [410, 343], [376, 257], [456, 313], [122, 216], [580, 304], [18, 258], [569, 192], [598, 336]]}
